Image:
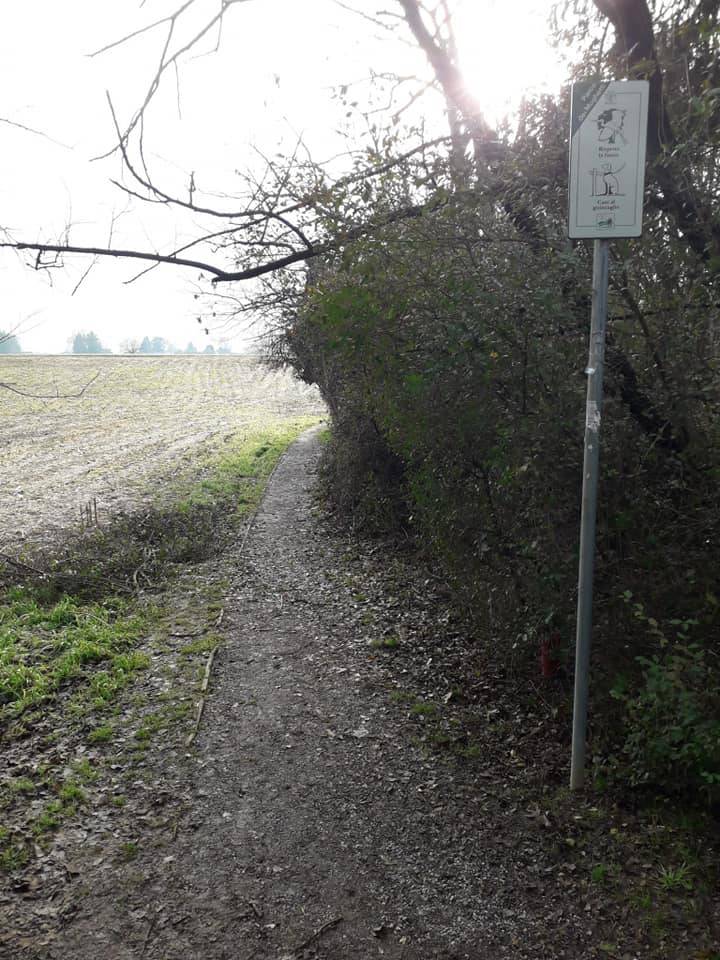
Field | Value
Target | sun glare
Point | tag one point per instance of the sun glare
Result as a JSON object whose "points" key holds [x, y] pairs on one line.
{"points": [[505, 53]]}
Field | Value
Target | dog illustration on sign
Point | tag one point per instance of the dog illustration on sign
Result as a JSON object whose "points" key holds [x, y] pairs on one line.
{"points": [[610, 123], [605, 182]]}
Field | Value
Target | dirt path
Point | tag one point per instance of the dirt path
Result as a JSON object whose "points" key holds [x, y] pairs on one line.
{"points": [[316, 823], [313, 828]]}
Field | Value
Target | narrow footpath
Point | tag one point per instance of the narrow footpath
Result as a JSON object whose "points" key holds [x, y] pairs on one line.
{"points": [[319, 826]]}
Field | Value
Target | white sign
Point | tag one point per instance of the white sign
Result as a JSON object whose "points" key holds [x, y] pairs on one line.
{"points": [[608, 130]]}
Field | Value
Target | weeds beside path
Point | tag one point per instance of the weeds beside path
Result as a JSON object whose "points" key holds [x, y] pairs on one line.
{"points": [[104, 641], [347, 797]]}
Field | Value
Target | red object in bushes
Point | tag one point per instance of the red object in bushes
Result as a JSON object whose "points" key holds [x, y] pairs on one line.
{"points": [[548, 660]]}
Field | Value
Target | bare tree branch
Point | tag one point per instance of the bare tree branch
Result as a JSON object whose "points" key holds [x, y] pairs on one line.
{"points": [[37, 133], [254, 212], [146, 29], [220, 275], [450, 77], [108, 252], [166, 59], [86, 272]]}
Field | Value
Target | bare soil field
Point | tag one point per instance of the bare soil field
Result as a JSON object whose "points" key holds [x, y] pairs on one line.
{"points": [[140, 422]]}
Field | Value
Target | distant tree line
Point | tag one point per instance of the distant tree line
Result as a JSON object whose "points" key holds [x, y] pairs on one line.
{"points": [[160, 345], [9, 343], [90, 342]]}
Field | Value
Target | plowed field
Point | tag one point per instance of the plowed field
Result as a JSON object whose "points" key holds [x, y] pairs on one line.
{"points": [[139, 423]]}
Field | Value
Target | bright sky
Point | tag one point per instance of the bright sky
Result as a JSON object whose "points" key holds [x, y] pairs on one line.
{"points": [[272, 78]]}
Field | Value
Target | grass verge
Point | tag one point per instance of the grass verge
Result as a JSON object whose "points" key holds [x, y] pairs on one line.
{"points": [[79, 627]]}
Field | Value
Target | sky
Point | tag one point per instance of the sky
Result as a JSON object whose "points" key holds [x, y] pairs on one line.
{"points": [[272, 78]]}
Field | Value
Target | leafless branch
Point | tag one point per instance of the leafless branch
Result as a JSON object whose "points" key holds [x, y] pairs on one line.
{"points": [[365, 16], [84, 275], [109, 252], [187, 246], [221, 275], [253, 212], [37, 133], [92, 263], [172, 18], [166, 59]]}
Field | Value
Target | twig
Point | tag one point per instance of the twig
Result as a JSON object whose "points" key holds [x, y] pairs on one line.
{"points": [[198, 718], [49, 396], [147, 936], [199, 633], [83, 277], [318, 933], [201, 701], [38, 133], [208, 668], [22, 566]]}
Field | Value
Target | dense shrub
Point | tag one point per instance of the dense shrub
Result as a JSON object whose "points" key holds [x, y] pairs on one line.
{"points": [[673, 714], [450, 349]]}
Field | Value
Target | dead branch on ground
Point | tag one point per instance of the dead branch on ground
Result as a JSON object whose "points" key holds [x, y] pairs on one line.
{"points": [[49, 396]]}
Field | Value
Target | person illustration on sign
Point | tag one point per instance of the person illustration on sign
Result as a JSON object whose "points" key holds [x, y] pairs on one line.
{"points": [[605, 182], [610, 123]]}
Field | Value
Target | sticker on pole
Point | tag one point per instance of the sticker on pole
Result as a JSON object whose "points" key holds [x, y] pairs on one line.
{"points": [[608, 131]]}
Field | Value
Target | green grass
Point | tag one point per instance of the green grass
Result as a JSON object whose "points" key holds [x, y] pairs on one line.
{"points": [[101, 734], [73, 642], [50, 818], [237, 474], [45, 647], [129, 851], [13, 856], [402, 696], [72, 793], [22, 785], [201, 644], [152, 724], [85, 771], [675, 878], [423, 708], [387, 643]]}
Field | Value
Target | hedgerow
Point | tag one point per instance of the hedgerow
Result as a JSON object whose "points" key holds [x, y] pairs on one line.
{"points": [[451, 348]]}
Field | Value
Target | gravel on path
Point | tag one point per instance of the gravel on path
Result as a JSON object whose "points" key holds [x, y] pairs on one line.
{"points": [[317, 827]]}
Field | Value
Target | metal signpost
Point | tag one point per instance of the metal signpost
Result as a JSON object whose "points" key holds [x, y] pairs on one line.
{"points": [[608, 129]]}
